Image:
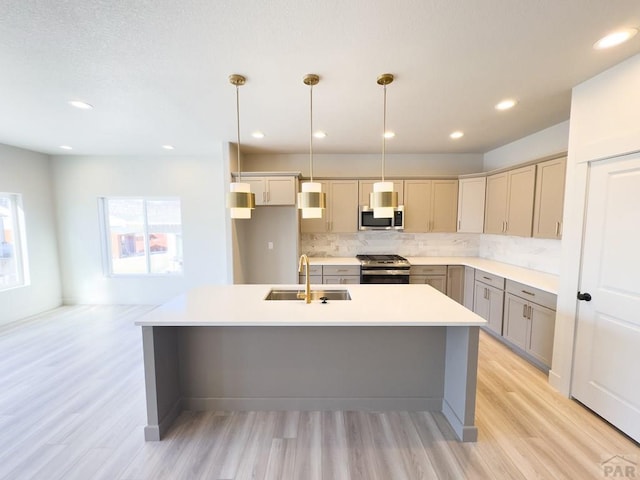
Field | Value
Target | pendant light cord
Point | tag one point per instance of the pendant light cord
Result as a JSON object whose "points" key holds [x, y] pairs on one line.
{"points": [[238, 130], [384, 129], [311, 132]]}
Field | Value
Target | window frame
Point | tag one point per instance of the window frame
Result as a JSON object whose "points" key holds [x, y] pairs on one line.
{"points": [[106, 237], [19, 244]]}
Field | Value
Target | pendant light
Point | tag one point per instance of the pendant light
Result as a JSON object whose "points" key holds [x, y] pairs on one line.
{"points": [[311, 200], [240, 200], [383, 199]]}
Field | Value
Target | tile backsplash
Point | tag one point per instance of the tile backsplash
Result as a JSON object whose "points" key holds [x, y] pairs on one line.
{"points": [[405, 244], [534, 253]]}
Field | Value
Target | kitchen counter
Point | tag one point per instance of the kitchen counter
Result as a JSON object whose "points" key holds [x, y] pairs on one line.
{"points": [[543, 281], [391, 347], [370, 305]]}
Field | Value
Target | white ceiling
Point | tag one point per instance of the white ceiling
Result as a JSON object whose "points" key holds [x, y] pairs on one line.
{"points": [[157, 71]]}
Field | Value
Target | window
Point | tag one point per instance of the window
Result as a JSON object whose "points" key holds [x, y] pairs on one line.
{"points": [[144, 236], [12, 259]]}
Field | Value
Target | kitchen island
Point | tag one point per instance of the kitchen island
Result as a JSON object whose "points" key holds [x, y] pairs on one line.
{"points": [[391, 347]]}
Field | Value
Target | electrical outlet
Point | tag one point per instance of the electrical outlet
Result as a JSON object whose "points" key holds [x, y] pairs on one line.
{"points": [[270, 245]]}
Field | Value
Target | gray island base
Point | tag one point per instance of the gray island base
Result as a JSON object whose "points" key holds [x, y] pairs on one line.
{"points": [[226, 348]]}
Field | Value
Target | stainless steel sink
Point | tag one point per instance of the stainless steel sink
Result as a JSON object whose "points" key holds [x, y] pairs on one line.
{"points": [[281, 294]]}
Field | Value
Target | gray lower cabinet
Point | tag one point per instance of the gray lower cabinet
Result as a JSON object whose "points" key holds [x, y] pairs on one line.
{"points": [[434, 275], [333, 274], [488, 299], [529, 321], [469, 287], [455, 282]]}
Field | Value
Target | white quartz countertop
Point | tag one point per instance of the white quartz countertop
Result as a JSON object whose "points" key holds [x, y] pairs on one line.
{"points": [[544, 281], [370, 305]]}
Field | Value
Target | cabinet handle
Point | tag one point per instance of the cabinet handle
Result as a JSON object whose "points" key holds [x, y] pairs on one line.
{"points": [[459, 223], [530, 310], [486, 293], [528, 293], [264, 197], [268, 197], [487, 278], [506, 226], [524, 310], [557, 226]]}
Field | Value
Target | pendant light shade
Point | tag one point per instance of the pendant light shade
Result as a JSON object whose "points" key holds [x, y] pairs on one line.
{"points": [[383, 199], [311, 200], [240, 200]]}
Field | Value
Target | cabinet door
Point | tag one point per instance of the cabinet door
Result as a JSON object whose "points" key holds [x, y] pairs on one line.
{"points": [[340, 280], [496, 308], [280, 190], [549, 202], [469, 287], [496, 203], [343, 199], [543, 322], [455, 282], [444, 205], [520, 201], [313, 279], [366, 187], [488, 304], [481, 300], [258, 187], [318, 225], [516, 321], [417, 205], [471, 196], [439, 282]]}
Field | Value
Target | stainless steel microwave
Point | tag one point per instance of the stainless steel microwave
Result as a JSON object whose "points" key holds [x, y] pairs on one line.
{"points": [[366, 220]]}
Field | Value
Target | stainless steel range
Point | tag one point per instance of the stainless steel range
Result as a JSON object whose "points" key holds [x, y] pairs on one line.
{"points": [[383, 269]]}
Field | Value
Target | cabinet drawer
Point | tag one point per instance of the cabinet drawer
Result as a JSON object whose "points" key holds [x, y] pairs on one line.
{"points": [[313, 270], [315, 279], [341, 270], [428, 270], [340, 280], [490, 279], [531, 294]]}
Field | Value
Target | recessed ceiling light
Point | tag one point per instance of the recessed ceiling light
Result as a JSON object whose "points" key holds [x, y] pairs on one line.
{"points": [[389, 134], [257, 135], [615, 38], [79, 104], [320, 134], [66, 147], [506, 104], [168, 147], [456, 135]]}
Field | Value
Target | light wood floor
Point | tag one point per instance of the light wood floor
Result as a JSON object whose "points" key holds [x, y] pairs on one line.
{"points": [[72, 407]]}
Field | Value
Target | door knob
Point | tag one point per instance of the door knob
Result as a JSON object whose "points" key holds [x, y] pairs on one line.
{"points": [[584, 296]]}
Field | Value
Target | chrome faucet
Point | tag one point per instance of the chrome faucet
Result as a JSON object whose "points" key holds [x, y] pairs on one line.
{"points": [[307, 290]]}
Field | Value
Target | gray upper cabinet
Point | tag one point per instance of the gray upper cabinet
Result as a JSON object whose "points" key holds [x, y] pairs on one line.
{"points": [[276, 190], [430, 205], [341, 214], [366, 187], [549, 201], [471, 197], [509, 202]]}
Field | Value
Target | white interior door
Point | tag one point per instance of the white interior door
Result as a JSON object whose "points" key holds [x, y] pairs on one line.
{"points": [[607, 355]]}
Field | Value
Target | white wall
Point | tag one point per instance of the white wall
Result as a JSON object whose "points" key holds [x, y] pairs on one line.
{"points": [[200, 182], [544, 143], [365, 165], [605, 122], [28, 173]]}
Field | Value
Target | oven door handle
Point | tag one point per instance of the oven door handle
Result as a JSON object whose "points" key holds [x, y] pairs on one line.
{"points": [[385, 272]]}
